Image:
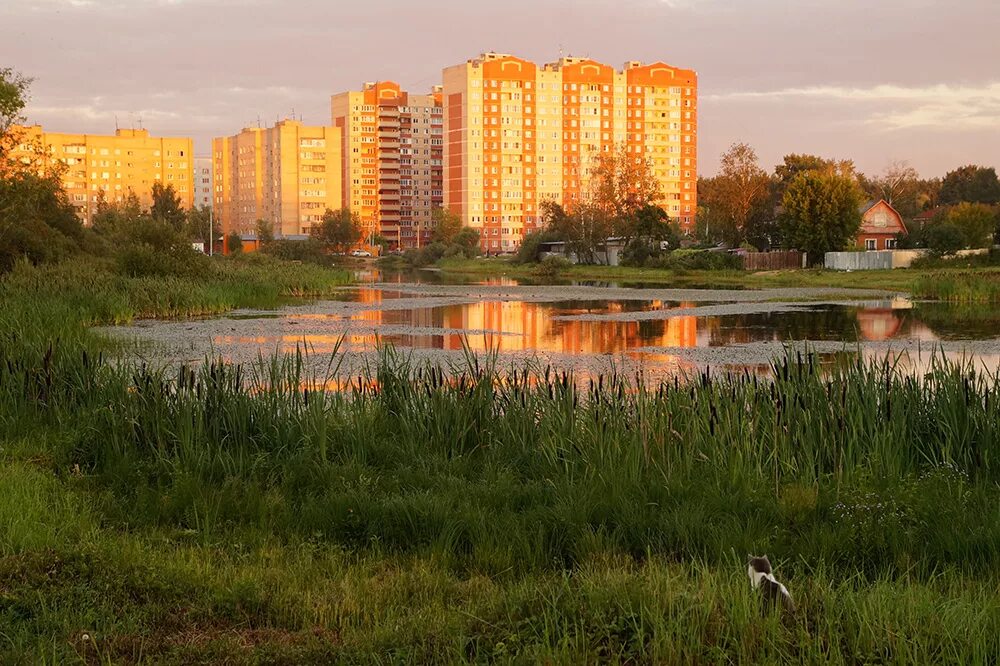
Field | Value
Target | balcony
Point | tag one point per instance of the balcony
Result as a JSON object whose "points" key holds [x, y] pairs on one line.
{"points": [[388, 155], [388, 135], [388, 218]]}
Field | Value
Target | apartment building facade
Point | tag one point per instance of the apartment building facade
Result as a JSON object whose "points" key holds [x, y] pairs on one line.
{"points": [[108, 167], [517, 134], [392, 159], [203, 181], [288, 175]]}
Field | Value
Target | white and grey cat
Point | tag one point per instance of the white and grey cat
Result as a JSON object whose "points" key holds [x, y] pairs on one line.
{"points": [[773, 592]]}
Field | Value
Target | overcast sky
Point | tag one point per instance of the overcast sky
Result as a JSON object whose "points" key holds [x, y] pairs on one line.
{"points": [[870, 80]]}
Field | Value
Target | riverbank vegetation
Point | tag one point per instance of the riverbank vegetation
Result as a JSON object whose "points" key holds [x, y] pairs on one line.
{"points": [[480, 514]]}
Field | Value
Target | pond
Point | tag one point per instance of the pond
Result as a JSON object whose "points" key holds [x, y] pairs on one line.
{"points": [[582, 327]]}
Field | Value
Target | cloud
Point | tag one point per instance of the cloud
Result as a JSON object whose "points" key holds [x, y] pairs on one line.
{"points": [[892, 107]]}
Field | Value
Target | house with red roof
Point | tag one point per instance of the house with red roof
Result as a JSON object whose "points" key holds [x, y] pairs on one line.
{"points": [[880, 225]]}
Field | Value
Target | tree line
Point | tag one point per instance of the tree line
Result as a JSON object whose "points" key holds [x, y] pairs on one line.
{"points": [[814, 204]]}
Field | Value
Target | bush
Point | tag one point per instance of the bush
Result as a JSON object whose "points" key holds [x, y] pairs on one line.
{"points": [[530, 251], [147, 261], [697, 260], [639, 252], [552, 265], [309, 250], [944, 238]]}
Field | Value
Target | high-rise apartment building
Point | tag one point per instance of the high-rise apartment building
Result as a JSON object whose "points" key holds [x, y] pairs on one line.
{"points": [[517, 134], [288, 175], [110, 166], [203, 181], [392, 151]]}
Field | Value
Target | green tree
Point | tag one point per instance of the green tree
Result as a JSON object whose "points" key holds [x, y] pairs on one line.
{"points": [[234, 243], [972, 184], [265, 231], [199, 219], [740, 191], [447, 225], [977, 223], [821, 213], [620, 185], [116, 219], [167, 206], [943, 238], [37, 221], [13, 97], [338, 230]]}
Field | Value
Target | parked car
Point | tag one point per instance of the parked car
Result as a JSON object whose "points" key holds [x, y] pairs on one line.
{"points": [[361, 253]]}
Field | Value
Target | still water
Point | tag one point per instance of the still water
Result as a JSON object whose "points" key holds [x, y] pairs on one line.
{"points": [[589, 328]]}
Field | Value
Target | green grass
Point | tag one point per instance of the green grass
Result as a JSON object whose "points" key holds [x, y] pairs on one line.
{"points": [[234, 514], [979, 284]]}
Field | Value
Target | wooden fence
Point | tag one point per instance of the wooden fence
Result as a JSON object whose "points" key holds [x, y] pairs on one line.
{"points": [[773, 261]]}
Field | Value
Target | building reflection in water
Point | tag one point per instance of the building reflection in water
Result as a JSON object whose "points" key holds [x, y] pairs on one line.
{"points": [[517, 326]]}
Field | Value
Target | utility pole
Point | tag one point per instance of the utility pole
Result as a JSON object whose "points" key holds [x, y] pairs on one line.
{"points": [[211, 241]]}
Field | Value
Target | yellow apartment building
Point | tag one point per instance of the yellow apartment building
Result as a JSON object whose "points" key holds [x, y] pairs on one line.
{"points": [[517, 134], [288, 174], [111, 166], [392, 159]]}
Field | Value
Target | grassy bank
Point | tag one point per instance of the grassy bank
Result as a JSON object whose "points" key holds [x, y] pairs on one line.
{"points": [[227, 514], [956, 284]]}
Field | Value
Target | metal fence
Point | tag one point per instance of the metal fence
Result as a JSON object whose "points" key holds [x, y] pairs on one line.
{"points": [[858, 261]]}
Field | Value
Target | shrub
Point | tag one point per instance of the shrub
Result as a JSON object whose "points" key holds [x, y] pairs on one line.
{"points": [[552, 265], [144, 260], [309, 250], [697, 260], [944, 238]]}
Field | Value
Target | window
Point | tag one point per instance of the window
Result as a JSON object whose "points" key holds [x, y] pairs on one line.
{"points": [[870, 243], [890, 243]]}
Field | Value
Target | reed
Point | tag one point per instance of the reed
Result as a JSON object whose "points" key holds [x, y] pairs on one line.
{"points": [[478, 512]]}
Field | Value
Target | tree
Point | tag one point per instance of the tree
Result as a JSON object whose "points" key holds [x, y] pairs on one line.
{"points": [[943, 238], [447, 225], [13, 98], [977, 223], [234, 243], [338, 230], [265, 231], [621, 183], [821, 212], [742, 189], [794, 164], [167, 206], [972, 184], [199, 219], [37, 221], [115, 219], [899, 186], [585, 230]]}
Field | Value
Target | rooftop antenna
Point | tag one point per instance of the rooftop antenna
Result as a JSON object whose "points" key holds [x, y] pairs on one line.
{"points": [[116, 122], [140, 121], [258, 121]]}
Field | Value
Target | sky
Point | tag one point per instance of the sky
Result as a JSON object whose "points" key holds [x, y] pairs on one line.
{"points": [[875, 81]]}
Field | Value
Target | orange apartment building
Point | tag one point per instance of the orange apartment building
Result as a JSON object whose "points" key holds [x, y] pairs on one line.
{"points": [[110, 166], [288, 174], [517, 134], [392, 159]]}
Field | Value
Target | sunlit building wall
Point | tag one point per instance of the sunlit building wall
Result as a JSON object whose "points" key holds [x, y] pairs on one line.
{"points": [[392, 159], [97, 166], [517, 133], [288, 175]]}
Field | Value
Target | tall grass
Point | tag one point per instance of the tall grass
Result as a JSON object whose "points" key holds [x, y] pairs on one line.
{"points": [[477, 513], [972, 286]]}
